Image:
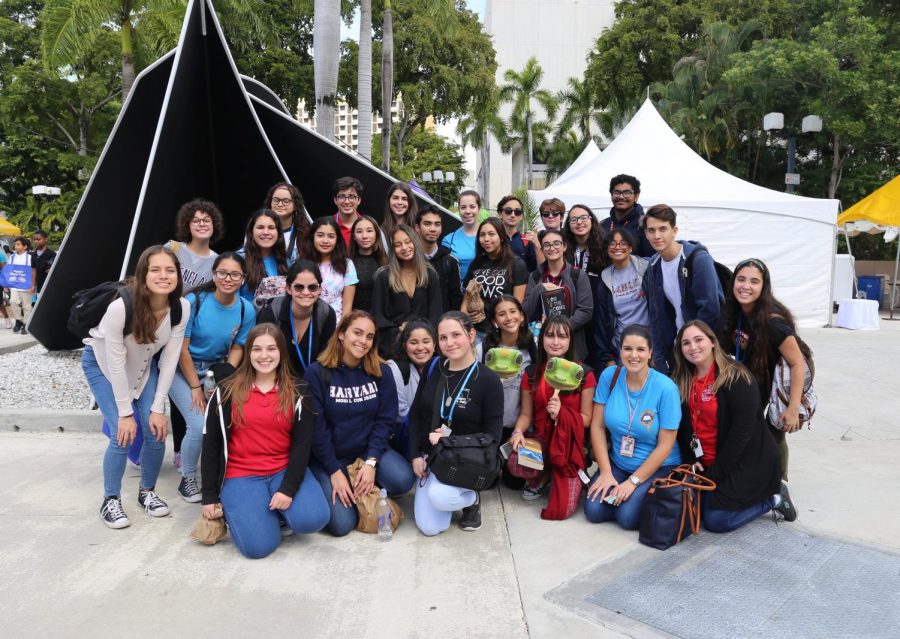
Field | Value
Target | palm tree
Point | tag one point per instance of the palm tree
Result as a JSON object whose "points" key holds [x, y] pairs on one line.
{"points": [[580, 110], [364, 81], [326, 56], [70, 29], [475, 129], [521, 89]]}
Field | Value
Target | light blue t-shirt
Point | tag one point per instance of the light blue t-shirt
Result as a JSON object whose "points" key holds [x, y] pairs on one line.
{"points": [[217, 327], [657, 406], [270, 264], [462, 247]]}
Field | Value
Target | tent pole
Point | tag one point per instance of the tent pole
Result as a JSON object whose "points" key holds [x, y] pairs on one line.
{"points": [[894, 283]]}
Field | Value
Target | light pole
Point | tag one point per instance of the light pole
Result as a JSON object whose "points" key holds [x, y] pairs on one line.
{"points": [[439, 178], [810, 124]]}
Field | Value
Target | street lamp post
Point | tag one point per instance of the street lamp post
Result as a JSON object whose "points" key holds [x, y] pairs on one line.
{"points": [[810, 124], [439, 178]]}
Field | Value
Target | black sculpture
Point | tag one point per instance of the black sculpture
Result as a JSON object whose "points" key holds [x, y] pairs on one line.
{"points": [[191, 127]]}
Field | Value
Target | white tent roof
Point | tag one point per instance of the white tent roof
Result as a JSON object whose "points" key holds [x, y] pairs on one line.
{"points": [[735, 219], [591, 151]]}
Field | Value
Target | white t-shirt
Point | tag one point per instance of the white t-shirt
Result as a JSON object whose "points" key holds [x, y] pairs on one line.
{"points": [[672, 286], [196, 270], [333, 284]]}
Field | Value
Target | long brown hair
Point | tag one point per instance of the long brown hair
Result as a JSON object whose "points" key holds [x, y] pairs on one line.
{"points": [[333, 353], [237, 387], [143, 324], [728, 370], [256, 270], [560, 324], [409, 218], [378, 253], [420, 263]]}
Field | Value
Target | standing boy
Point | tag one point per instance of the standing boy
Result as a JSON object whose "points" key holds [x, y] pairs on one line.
{"points": [[22, 288], [429, 228], [626, 213], [347, 193], [680, 284], [42, 258]]}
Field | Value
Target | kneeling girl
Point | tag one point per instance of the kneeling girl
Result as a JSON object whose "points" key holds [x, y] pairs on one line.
{"points": [[256, 448], [462, 395]]}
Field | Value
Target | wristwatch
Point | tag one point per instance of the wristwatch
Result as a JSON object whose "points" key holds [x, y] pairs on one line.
{"points": [[634, 480], [371, 461]]}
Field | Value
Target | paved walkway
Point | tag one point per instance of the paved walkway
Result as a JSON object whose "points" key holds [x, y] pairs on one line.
{"points": [[66, 575]]}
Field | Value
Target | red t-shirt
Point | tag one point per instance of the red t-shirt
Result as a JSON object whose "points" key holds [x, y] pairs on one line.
{"points": [[703, 406], [260, 444], [346, 230], [542, 394]]}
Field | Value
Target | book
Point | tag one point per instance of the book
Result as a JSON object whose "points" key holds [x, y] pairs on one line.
{"points": [[530, 454], [554, 303]]}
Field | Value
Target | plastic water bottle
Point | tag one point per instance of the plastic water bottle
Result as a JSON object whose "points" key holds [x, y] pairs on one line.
{"points": [[209, 383], [384, 514]]}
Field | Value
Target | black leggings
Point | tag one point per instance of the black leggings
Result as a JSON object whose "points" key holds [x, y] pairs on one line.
{"points": [[179, 428]]}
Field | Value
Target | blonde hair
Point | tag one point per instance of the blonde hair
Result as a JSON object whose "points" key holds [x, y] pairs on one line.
{"points": [[729, 370], [333, 353], [420, 264]]}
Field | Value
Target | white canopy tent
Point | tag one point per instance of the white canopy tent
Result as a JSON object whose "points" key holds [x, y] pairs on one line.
{"points": [[589, 154], [735, 219]]}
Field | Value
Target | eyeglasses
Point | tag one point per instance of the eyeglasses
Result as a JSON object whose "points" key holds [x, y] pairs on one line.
{"points": [[552, 245], [281, 201], [547, 214], [299, 288], [510, 211], [578, 219], [627, 193], [202, 221], [346, 198], [619, 244], [234, 276]]}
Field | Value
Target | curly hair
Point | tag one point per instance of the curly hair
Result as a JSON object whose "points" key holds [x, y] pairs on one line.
{"points": [[186, 214], [299, 218]]}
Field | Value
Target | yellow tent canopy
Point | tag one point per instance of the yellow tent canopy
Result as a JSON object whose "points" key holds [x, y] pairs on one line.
{"points": [[8, 228], [881, 207]]}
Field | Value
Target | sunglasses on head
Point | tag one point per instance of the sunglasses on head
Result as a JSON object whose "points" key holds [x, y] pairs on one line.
{"points": [[758, 264], [512, 211]]}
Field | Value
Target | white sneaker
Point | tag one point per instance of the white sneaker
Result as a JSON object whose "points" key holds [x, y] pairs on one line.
{"points": [[151, 503], [112, 513]]}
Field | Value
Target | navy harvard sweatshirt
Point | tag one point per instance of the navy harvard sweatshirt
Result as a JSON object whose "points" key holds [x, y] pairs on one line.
{"points": [[355, 414]]}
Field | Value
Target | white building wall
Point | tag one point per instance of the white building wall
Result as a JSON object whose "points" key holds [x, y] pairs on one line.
{"points": [[559, 33]]}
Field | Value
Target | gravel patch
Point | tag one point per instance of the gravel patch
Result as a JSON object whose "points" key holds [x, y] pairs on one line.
{"points": [[36, 378]]}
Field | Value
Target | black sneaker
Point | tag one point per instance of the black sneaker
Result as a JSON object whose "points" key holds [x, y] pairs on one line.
{"points": [[471, 516], [151, 503], [786, 507], [189, 489], [112, 513]]}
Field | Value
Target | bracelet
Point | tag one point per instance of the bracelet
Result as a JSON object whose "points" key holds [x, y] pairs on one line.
{"points": [[197, 386]]}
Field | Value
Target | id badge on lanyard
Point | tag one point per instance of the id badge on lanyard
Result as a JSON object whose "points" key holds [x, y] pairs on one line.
{"points": [[627, 447]]}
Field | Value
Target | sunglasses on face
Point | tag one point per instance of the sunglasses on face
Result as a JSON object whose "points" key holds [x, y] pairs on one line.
{"points": [[299, 288], [549, 214], [511, 211]]}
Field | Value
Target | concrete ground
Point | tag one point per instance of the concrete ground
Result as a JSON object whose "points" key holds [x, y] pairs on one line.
{"points": [[64, 574]]}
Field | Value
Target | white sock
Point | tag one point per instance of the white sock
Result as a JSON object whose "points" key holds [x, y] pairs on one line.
{"points": [[777, 499]]}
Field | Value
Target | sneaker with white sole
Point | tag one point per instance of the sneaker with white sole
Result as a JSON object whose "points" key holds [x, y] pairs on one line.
{"points": [[112, 513], [530, 493], [786, 507], [189, 489], [471, 516], [152, 504]]}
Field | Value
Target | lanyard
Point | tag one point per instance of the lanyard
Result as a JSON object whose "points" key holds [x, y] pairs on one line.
{"points": [[637, 402], [737, 337], [309, 341], [449, 417], [581, 257]]}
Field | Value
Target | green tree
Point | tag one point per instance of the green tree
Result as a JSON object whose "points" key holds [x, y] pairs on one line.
{"points": [[427, 151], [70, 29], [523, 89], [476, 129], [580, 109]]}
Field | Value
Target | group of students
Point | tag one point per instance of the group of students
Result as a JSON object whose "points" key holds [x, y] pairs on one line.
{"points": [[344, 339], [35, 264]]}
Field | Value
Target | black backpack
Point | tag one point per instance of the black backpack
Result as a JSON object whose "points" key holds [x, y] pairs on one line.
{"points": [[90, 304], [723, 273]]}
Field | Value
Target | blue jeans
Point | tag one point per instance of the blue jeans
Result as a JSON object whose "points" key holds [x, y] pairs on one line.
{"points": [[180, 395], [254, 528], [394, 474], [435, 503], [722, 521], [116, 456], [628, 514]]}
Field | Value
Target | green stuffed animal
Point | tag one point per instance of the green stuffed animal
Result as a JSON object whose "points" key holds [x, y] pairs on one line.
{"points": [[506, 362], [563, 375]]}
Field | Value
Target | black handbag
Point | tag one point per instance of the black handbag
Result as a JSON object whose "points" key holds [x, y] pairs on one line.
{"points": [[466, 461], [671, 509]]}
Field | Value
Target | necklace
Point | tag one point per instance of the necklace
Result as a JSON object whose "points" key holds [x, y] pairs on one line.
{"points": [[453, 398], [463, 380]]}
